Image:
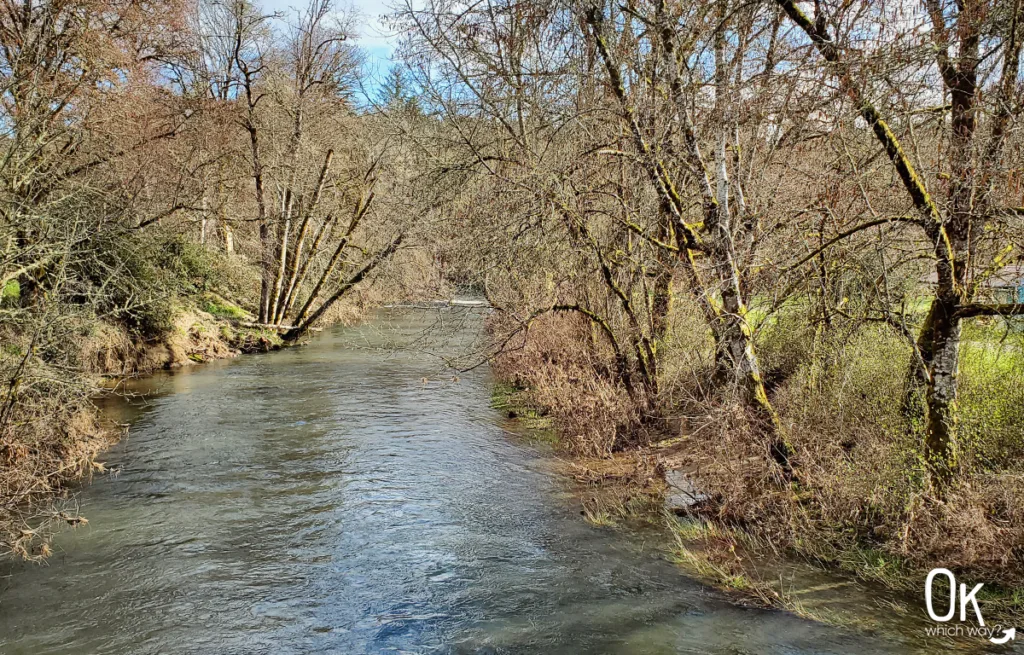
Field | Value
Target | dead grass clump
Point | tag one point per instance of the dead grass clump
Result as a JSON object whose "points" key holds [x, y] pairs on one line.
{"points": [[733, 466], [978, 529], [626, 486]]}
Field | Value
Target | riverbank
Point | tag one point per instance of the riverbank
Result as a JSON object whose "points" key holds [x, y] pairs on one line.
{"points": [[658, 483], [51, 452], [51, 446]]}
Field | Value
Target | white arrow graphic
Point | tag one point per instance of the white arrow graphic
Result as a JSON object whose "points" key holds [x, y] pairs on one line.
{"points": [[1007, 636]]}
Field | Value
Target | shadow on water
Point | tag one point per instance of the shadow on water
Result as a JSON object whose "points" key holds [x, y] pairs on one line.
{"points": [[327, 500]]}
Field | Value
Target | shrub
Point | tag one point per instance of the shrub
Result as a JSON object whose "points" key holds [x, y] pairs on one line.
{"points": [[136, 280], [593, 415]]}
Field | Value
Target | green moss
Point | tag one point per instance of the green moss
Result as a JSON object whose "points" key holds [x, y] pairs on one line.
{"points": [[515, 402], [10, 293], [502, 394]]}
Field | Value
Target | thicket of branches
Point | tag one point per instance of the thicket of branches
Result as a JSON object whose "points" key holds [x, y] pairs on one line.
{"points": [[789, 223]]}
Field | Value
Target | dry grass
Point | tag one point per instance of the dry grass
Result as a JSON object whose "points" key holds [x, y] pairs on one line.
{"points": [[49, 434], [594, 416]]}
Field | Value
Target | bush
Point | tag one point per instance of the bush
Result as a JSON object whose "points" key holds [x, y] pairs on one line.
{"points": [[48, 427], [860, 477], [190, 264], [992, 397], [593, 416], [137, 279]]}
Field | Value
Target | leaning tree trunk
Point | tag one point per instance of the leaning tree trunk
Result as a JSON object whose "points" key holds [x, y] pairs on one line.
{"points": [[303, 327]]}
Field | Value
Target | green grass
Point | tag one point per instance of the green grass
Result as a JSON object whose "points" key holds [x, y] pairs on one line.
{"points": [[694, 529], [599, 518], [223, 309], [868, 563], [515, 402]]}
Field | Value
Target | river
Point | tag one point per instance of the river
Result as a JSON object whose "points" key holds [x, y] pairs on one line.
{"points": [[348, 498]]}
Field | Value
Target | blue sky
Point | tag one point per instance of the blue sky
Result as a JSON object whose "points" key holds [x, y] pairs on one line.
{"points": [[373, 36]]}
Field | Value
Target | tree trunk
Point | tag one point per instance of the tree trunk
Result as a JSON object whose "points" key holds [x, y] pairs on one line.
{"points": [[266, 270], [202, 222], [229, 237], [728, 322], [266, 238], [661, 307], [304, 270], [919, 366], [361, 208], [290, 286], [941, 449], [302, 328], [735, 340], [284, 228]]}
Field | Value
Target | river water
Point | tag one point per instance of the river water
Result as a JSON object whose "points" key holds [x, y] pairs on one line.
{"points": [[344, 498]]}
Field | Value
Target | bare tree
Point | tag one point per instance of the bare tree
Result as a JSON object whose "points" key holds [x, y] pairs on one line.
{"points": [[959, 227]]}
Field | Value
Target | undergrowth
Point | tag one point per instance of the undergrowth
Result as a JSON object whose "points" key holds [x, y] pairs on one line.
{"points": [[859, 503]]}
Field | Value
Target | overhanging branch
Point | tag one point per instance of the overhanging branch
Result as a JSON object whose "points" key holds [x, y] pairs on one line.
{"points": [[990, 309]]}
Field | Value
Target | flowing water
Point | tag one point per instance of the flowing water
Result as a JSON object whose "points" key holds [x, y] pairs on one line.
{"points": [[330, 499]]}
